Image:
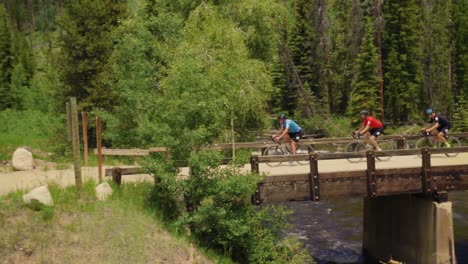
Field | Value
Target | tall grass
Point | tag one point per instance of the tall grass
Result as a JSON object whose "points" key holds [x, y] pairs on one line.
{"points": [[81, 229]]}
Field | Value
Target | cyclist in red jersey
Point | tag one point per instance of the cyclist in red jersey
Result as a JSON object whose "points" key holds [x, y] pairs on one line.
{"points": [[371, 128]]}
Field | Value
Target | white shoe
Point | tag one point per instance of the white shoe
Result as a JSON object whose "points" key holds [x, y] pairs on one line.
{"points": [[378, 149]]}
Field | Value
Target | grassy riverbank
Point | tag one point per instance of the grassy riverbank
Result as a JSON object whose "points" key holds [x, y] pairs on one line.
{"points": [[120, 230]]}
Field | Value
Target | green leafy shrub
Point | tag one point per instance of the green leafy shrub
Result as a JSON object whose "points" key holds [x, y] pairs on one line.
{"points": [[219, 213]]}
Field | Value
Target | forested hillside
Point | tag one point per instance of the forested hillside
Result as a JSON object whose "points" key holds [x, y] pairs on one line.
{"points": [[184, 73]]}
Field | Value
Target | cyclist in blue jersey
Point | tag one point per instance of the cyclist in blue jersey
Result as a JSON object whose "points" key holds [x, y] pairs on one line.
{"points": [[438, 126], [289, 131]]}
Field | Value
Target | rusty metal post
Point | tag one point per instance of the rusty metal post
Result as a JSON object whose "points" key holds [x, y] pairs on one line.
{"points": [[314, 179], [99, 146], [370, 172], [84, 120], [426, 179]]}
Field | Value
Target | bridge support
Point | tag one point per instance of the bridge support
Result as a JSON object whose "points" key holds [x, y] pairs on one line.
{"points": [[408, 228]]}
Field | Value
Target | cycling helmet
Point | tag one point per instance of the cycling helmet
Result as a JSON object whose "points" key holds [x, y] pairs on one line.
{"points": [[429, 111], [365, 112], [281, 116]]}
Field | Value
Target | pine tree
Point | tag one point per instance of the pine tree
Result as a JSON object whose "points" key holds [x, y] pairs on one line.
{"points": [[437, 53], [306, 58], [346, 33], [460, 57], [365, 94], [86, 45], [400, 59], [6, 66], [460, 116]]}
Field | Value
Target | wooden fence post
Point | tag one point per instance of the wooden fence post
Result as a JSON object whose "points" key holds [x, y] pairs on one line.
{"points": [[84, 119], [76, 142], [69, 126], [99, 146], [117, 175]]}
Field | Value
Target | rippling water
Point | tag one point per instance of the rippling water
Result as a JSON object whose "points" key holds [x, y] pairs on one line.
{"points": [[332, 230]]}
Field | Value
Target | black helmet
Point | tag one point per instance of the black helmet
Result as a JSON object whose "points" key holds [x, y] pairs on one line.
{"points": [[429, 111], [365, 112], [281, 116]]}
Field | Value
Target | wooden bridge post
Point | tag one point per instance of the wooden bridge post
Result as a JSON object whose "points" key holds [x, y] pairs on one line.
{"points": [[314, 178], [426, 179], [400, 143], [370, 172], [254, 166]]}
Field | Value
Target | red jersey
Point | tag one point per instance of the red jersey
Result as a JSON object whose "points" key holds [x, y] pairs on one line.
{"points": [[372, 122]]}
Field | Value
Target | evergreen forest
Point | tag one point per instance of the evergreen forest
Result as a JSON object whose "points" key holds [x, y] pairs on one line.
{"points": [[186, 73]]}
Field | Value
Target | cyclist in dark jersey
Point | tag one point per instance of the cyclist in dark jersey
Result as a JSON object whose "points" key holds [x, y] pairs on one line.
{"points": [[289, 130], [438, 126], [371, 128]]}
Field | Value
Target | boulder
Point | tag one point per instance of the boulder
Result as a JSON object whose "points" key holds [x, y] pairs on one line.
{"points": [[39, 194], [103, 191], [22, 160]]}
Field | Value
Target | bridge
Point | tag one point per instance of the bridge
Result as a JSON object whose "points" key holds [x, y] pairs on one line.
{"points": [[407, 214]]}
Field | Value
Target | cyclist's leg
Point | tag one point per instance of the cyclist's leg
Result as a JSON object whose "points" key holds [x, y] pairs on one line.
{"points": [[294, 139], [442, 136], [367, 138], [434, 136]]}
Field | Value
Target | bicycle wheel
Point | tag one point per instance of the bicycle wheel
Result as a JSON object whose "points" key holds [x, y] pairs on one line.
{"points": [[355, 146], [271, 151], [303, 149], [454, 142], [386, 145]]}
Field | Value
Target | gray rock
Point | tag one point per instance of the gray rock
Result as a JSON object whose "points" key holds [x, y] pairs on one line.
{"points": [[22, 160], [103, 191], [39, 194]]}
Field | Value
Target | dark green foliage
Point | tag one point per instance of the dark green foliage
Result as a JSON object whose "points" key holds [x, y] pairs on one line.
{"points": [[220, 215], [365, 83], [460, 116], [437, 42], [460, 51], [86, 45], [400, 51], [6, 63], [346, 32]]}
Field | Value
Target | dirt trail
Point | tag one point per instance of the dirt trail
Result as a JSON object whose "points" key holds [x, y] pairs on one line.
{"points": [[11, 181]]}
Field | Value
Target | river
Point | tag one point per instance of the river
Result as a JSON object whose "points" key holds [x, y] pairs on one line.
{"points": [[332, 230]]}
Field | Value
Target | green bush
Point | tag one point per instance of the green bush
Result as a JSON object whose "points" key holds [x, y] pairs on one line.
{"points": [[219, 213]]}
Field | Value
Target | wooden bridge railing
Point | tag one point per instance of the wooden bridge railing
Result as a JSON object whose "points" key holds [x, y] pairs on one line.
{"points": [[372, 182]]}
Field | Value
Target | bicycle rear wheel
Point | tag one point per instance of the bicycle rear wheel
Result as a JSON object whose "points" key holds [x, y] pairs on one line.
{"points": [[454, 142], [386, 145], [271, 151], [355, 146], [303, 149]]}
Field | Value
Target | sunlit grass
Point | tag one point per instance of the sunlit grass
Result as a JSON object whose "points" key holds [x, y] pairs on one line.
{"points": [[81, 229]]}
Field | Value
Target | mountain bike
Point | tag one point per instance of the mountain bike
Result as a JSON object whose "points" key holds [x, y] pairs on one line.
{"points": [[428, 141], [284, 148], [358, 145]]}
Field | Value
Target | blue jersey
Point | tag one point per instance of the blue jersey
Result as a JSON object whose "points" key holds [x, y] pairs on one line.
{"points": [[292, 126]]}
